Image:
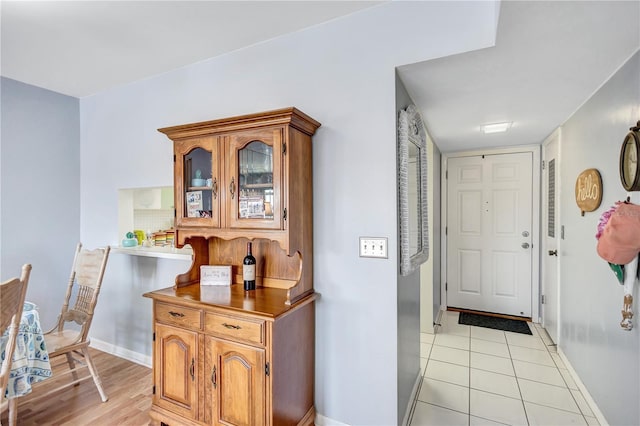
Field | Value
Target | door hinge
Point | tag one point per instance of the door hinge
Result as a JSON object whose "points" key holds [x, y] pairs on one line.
{"points": [[543, 164], [175, 213], [284, 214], [446, 230], [542, 299], [446, 286], [267, 369], [446, 174], [154, 337], [174, 158], [153, 390], [284, 148]]}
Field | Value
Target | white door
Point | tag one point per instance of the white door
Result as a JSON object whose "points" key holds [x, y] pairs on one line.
{"points": [[489, 227], [550, 229]]}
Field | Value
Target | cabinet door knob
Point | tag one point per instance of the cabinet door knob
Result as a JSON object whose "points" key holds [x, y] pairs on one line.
{"points": [[176, 314], [214, 377], [215, 188], [232, 188], [192, 369]]}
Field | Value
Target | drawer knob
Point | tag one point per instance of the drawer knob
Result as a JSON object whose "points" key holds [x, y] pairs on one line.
{"points": [[235, 327], [176, 314]]}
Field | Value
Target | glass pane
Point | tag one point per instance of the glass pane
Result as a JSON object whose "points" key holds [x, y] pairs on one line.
{"points": [[255, 175], [415, 203], [198, 182]]}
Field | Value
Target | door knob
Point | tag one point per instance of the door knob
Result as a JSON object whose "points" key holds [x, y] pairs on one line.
{"points": [[525, 245], [553, 252]]}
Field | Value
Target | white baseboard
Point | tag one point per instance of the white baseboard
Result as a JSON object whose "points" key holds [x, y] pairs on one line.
{"points": [[438, 321], [412, 398], [326, 421], [118, 351], [587, 396]]}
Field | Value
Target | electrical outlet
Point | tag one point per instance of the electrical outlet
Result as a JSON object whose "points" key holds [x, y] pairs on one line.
{"points": [[373, 247]]}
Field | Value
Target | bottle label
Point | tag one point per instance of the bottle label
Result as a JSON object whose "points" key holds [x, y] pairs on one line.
{"points": [[249, 272]]}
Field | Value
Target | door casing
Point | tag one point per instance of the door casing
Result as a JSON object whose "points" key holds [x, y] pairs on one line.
{"points": [[552, 293]]}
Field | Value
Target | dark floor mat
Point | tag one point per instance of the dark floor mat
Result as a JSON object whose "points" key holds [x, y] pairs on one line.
{"points": [[486, 321]]}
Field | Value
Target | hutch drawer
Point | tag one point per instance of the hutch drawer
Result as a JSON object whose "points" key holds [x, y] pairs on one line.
{"points": [[235, 328], [178, 315]]}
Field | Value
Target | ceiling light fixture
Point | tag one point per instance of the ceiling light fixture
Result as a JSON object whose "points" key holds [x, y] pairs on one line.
{"points": [[496, 127]]}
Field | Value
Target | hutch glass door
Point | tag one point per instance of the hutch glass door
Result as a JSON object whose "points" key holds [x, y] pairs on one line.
{"points": [[256, 165], [199, 206]]}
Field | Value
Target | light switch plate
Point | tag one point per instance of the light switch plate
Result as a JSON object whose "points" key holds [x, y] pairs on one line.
{"points": [[373, 247]]}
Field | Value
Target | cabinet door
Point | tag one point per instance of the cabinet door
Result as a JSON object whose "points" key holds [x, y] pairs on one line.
{"points": [[175, 377], [237, 384], [197, 182], [255, 173]]}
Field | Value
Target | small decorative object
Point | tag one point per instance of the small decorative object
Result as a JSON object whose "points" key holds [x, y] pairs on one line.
{"points": [[627, 313], [130, 240], [589, 190], [215, 275], [160, 238], [198, 181], [629, 170], [194, 203], [249, 270], [139, 236], [619, 244]]}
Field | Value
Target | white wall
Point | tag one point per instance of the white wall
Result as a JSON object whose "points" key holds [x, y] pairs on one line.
{"points": [[408, 320], [40, 184], [606, 358], [342, 74]]}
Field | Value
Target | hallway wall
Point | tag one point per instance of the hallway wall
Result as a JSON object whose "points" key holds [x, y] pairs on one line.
{"points": [[409, 308], [605, 357]]}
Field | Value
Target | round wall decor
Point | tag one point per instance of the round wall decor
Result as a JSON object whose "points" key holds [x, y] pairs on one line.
{"points": [[589, 190]]}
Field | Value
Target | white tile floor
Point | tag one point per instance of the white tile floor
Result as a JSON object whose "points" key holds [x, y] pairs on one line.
{"points": [[480, 376]]}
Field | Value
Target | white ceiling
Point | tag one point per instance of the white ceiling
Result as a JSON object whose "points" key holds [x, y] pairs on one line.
{"points": [[550, 56], [80, 48]]}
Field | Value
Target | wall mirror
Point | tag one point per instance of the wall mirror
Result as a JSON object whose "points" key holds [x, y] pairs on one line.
{"points": [[412, 188]]}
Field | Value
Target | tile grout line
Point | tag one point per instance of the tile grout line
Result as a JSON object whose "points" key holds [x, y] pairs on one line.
{"points": [[565, 380], [524, 408], [469, 389]]}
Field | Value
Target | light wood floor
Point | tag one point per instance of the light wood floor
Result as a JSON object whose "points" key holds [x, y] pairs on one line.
{"points": [[128, 386]]}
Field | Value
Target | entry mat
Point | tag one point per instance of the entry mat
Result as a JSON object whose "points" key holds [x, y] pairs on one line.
{"points": [[486, 321]]}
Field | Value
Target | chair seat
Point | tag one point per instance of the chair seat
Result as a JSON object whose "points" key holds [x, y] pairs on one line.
{"points": [[57, 340]]}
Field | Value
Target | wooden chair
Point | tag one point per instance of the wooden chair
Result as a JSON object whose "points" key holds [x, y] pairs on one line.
{"points": [[12, 294], [73, 342]]}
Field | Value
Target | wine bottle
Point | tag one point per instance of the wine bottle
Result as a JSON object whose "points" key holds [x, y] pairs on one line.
{"points": [[249, 270]]}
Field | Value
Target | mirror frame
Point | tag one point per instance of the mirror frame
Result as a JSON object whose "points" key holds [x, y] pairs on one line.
{"points": [[630, 147], [411, 130]]}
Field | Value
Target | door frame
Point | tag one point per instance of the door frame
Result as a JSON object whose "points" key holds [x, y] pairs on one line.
{"points": [[535, 150], [557, 137]]}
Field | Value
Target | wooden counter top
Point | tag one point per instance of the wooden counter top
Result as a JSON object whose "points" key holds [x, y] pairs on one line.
{"points": [[264, 301]]}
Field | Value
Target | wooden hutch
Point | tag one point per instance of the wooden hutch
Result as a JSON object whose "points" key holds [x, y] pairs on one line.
{"points": [[222, 355]]}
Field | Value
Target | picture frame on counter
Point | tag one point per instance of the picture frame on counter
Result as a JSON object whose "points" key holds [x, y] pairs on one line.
{"points": [[215, 275]]}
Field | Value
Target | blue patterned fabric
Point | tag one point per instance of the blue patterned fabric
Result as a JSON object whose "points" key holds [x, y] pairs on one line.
{"points": [[30, 359]]}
